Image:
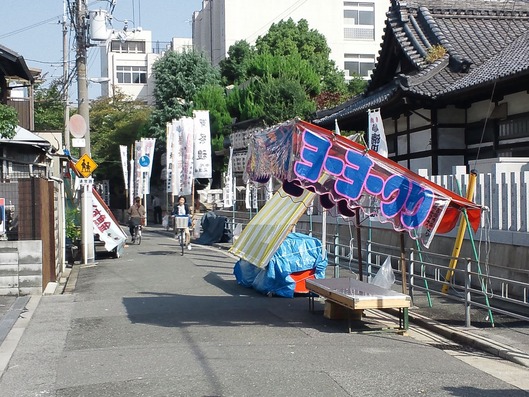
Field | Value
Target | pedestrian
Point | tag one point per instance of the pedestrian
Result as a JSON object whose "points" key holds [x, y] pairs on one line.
{"points": [[157, 209], [181, 208], [136, 216]]}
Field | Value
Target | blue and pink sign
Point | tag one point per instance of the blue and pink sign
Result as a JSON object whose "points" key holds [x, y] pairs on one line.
{"points": [[350, 176]]}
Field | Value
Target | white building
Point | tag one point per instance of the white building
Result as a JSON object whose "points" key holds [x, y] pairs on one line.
{"points": [[353, 29], [127, 61]]}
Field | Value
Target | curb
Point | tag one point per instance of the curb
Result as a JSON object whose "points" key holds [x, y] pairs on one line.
{"points": [[468, 338]]}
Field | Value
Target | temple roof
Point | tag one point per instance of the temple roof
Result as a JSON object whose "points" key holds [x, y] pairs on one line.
{"points": [[484, 43]]}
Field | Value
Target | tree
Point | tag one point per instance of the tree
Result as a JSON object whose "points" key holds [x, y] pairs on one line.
{"points": [[178, 76], [49, 107], [8, 121], [234, 68], [287, 74], [115, 121], [213, 98]]}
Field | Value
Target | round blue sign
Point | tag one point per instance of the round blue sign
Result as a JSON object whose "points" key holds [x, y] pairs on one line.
{"points": [[144, 161]]}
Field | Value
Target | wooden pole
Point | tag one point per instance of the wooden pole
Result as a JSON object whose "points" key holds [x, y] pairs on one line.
{"points": [[460, 234]]}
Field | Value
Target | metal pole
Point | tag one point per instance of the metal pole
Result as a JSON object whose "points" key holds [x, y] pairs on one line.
{"points": [[65, 84]]}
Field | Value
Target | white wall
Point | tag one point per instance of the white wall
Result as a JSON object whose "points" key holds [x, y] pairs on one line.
{"points": [[235, 20]]}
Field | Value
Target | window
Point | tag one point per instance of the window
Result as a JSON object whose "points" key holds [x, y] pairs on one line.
{"points": [[131, 74], [359, 64], [359, 20], [128, 47]]}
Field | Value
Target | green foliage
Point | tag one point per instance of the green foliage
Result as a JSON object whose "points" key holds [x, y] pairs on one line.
{"points": [[243, 105], [73, 224], [356, 85], [283, 99], [288, 38], [8, 121], [284, 75], [213, 98], [49, 108], [234, 68], [113, 122], [179, 77]]}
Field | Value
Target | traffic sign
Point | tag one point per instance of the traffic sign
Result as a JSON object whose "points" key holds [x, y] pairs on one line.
{"points": [[144, 161], [85, 165]]}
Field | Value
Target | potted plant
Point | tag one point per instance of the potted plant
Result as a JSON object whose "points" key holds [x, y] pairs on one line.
{"points": [[73, 235]]}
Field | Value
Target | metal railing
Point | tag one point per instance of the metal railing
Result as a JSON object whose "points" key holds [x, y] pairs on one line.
{"points": [[493, 289]]}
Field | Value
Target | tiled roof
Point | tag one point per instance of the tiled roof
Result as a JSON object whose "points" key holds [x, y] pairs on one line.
{"points": [[485, 41]]}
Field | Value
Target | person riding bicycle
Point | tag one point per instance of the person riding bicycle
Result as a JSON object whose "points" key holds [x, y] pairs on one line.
{"points": [[181, 208], [136, 216]]}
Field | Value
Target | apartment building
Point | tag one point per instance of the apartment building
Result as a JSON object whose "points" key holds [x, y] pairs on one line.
{"points": [[127, 61], [353, 29]]}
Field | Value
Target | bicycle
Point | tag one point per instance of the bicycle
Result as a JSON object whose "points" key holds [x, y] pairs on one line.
{"points": [[136, 236], [180, 225]]}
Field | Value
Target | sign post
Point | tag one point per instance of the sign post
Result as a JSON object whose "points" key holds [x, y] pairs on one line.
{"points": [[85, 165]]}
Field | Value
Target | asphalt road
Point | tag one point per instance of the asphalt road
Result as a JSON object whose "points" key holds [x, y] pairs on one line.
{"points": [[154, 323]]}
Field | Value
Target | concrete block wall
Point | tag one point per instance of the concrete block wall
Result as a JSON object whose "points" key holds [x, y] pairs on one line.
{"points": [[21, 267]]}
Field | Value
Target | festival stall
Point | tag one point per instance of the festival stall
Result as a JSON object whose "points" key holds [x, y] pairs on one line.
{"points": [[312, 162]]}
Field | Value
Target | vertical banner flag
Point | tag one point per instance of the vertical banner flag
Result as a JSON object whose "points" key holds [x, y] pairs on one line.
{"points": [[123, 151], [176, 154], [228, 183], [138, 188], [131, 183], [202, 150], [148, 147], [247, 198], [187, 155], [377, 137], [269, 189], [168, 156], [336, 128]]}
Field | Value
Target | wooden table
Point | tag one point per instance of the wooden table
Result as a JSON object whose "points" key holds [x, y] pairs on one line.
{"points": [[357, 295]]}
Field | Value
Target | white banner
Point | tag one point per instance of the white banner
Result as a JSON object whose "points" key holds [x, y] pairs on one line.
{"points": [[168, 157], [269, 189], [138, 179], [228, 183], [123, 152], [176, 156], [247, 196], [187, 156], [377, 137], [131, 183], [148, 145], [104, 225], [202, 151]]}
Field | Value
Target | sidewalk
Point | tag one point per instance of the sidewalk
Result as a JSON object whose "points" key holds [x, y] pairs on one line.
{"points": [[509, 339]]}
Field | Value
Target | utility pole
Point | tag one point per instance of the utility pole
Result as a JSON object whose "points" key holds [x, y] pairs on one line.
{"points": [[65, 84], [81, 36], [80, 62]]}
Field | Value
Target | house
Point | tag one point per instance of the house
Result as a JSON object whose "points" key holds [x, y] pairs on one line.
{"points": [[451, 82], [30, 234]]}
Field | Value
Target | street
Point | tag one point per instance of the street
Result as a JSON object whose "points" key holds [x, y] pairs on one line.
{"points": [[154, 323]]}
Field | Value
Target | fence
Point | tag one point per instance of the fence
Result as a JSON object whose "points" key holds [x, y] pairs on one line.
{"points": [[505, 195], [496, 289]]}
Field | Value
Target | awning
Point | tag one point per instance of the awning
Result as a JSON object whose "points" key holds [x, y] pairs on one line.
{"points": [[347, 175], [268, 229]]}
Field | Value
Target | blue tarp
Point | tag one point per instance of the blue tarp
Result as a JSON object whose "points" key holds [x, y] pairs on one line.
{"points": [[297, 253]]}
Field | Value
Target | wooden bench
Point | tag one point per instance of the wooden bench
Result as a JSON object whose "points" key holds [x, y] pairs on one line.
{"points": [[355, 296]]}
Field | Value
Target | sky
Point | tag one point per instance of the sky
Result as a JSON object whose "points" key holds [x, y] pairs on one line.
{"points": [[33, 29]]}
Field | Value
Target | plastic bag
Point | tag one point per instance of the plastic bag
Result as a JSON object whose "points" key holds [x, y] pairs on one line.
{"points": [[385, 277], [165, 221]]}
